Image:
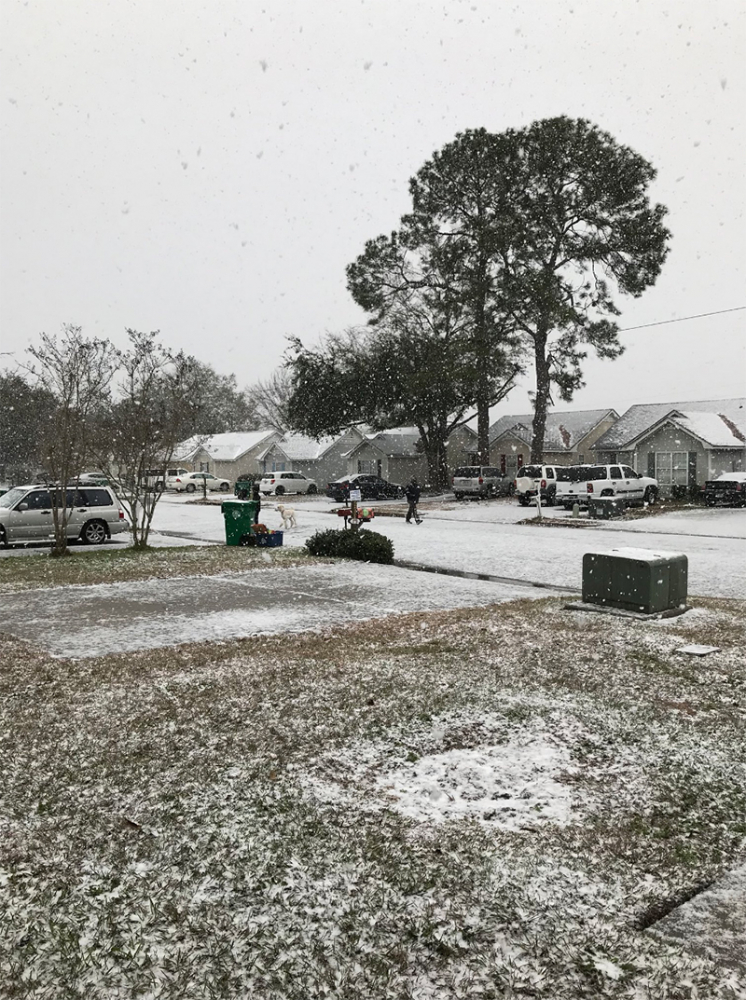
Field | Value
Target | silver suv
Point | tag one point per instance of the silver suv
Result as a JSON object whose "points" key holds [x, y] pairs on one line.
{"points": [[480, 481], [93, 511]]}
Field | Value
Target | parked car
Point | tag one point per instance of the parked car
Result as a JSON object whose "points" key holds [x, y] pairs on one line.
{"points": [[156, 479], [92, 479], [480, 481], [371, 488], [26, 514], [280, 483], [530, 479], [608, 481], [728, 490], [192, 481], [572, 485]]}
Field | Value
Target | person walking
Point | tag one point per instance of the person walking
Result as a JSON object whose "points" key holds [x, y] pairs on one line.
{"points": [[256, 497], [412, 494]]}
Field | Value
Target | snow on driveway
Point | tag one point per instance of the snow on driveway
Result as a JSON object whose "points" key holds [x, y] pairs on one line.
{"points": [[109, 618]]}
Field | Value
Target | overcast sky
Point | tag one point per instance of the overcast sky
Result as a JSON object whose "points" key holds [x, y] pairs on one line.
{"points": [[209, 167]]}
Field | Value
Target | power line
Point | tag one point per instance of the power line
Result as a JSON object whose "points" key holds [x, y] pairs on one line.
{"points": [[682, 319]]}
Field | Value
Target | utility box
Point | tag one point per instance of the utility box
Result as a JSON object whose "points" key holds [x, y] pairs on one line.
{"points": [[635, 580], [239, 519], [604, 508]]}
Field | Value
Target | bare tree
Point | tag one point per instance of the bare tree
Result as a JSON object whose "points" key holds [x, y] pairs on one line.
{"points": [[76, 372], [156, 401], [269, 399]]}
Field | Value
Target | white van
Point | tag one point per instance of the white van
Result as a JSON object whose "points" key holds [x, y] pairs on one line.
{"points": [[26, 514]]}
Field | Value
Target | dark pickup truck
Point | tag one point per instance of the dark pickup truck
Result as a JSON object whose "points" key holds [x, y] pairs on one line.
{"points": [[728, 490]]}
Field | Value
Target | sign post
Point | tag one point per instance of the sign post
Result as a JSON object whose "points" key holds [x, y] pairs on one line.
{"points": [[355, 495]]}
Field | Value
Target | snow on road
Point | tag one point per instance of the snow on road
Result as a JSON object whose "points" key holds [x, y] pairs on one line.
{"points": [[485, 538]]}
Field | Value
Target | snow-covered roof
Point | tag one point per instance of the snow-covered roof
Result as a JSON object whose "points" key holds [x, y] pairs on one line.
{"points": [[564, 429], [222, 447], [399, 442], [717, 422], [300, 448]]}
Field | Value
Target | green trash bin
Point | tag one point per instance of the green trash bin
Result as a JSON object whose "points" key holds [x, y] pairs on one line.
{"points": [[239, 520]]}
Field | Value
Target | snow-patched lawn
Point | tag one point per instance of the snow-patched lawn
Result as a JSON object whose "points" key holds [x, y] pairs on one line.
{"points": [[474, 803]]}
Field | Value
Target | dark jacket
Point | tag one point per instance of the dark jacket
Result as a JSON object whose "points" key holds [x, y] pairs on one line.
{"points": [[412, 493]]}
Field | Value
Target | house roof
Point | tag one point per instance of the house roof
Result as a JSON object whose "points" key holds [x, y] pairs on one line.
{"points": [[399, 442], [299, 447], [564, 429], [222, 447], [717, 422]]}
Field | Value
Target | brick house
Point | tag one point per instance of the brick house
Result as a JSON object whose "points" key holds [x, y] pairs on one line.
{"points": [[569, 438], [680, 444]]}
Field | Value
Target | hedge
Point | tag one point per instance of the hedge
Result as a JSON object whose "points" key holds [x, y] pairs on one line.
{"points": [[367, 546]]}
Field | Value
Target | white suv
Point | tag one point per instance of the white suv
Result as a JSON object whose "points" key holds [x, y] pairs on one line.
{"points": [[286, 482], [26, 514], [607, 481], [531, 479]]}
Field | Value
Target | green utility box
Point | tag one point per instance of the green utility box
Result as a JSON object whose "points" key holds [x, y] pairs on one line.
{"points": [[635, 580], [239, 519], [603, 508]]}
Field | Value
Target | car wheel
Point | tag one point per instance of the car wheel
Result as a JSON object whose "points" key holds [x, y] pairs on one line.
{"points": [[313, 489], [159, 487], [279, 491], [549, 500], [93, 533], [224, 487], [523, 501], [651, 495], [190, 487]]}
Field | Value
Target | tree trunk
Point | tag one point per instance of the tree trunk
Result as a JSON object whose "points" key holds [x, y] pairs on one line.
{"points": [[437, 460], [541, 402], [483, 430]]}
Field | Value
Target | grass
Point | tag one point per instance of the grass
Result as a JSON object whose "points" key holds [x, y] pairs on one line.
{"points": [[220, 820], [34, 571]]}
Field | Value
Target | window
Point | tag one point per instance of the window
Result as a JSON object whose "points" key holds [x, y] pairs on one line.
{"points": [[368, 467], [628, 473], [671, 467], [473, 458], [39, 500], [616, 472], [97, 498], [277, 466], [204, 466]]}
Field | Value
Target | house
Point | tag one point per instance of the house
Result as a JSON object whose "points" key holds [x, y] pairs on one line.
{"points": [[324, 460], [397, 455], [227, 455], [568, 440], [681, 444]]}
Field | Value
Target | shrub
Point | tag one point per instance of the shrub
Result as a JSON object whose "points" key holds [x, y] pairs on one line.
{"points": [[367, 546]]}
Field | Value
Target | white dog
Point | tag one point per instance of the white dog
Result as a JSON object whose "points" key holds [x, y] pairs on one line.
{"points": [[288, 516]]}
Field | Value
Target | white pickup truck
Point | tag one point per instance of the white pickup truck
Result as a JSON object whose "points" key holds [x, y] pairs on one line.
{"points": [[577, 483]]}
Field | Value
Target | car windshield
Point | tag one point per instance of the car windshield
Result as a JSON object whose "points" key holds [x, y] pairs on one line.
{"points": [[571, 474], [530, 471], [468, 472], [11, 497]]}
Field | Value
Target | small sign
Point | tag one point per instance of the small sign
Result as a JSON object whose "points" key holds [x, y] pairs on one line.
{"points": [[356, 495]]}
